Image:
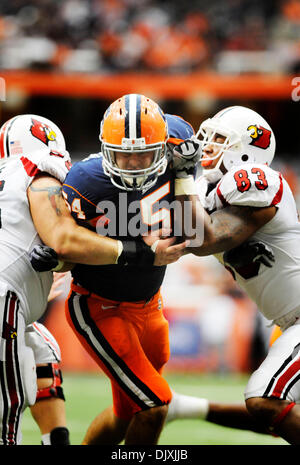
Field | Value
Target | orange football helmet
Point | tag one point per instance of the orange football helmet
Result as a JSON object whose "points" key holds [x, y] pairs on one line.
{"points": [[136, 124]]}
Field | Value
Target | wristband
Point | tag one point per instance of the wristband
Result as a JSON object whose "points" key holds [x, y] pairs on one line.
{"points": [[59, 266], [136, 253], [120, 250], [154, 245], [185, 186]]}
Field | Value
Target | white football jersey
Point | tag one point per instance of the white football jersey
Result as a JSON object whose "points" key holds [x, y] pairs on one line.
{"points": [[276, 290], [18, 235]]}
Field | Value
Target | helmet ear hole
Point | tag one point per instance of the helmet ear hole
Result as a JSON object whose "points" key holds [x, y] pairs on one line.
{"points": [[245, 157]]}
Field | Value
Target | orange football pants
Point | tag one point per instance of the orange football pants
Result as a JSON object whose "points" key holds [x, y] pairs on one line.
{"points": [[130, 343]]}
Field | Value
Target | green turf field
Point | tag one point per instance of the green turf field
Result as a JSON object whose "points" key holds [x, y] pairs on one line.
{"points": [[87, 395]]}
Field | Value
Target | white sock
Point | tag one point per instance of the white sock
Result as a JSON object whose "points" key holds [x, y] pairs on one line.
{"points": [[187, 407], [46, 439]]}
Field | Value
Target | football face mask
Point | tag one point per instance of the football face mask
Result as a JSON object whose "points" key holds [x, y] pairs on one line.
{"points": [[134, 124], [247, 138]]}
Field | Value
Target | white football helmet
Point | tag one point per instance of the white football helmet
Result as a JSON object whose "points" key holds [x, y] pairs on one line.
{"points": [[248, 139], [37, 140], [25, 134]]}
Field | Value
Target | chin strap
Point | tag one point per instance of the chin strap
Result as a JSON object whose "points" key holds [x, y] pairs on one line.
{"points": [[215, 174]]}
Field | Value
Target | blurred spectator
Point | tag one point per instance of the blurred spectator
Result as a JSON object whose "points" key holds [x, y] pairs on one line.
{"points": [[165, 35]]}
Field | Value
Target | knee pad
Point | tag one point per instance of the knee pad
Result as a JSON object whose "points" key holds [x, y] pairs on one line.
{"points": [[28, 373], [54, 390]]}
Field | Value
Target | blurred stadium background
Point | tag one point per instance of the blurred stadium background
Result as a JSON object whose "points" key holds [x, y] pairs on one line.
{"points": [[68, 59]]}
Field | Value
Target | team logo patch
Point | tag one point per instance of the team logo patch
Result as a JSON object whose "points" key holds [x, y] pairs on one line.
{"points": [[42, 131], [9, 332], [261, 137]]}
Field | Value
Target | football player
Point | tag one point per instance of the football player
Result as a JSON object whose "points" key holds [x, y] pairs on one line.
{"points": [[245, 199], [132, 170], [116, 310], [50, 414], [140, 393], [33, 210]]}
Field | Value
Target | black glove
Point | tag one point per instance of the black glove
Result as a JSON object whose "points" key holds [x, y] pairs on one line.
{"points": [[249, 252], [136, 253], [186, 157], [43, 258]]}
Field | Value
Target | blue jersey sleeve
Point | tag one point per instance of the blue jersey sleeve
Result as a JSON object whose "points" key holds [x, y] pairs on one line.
{"points": [[178, 129], [83, 189]]}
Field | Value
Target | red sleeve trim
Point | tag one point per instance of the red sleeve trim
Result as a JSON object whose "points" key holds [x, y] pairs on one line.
{"points": [[220, 195], [279, 193], [30, 168]]}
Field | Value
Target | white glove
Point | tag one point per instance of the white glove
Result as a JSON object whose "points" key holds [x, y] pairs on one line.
{"points": [[57, 164]]}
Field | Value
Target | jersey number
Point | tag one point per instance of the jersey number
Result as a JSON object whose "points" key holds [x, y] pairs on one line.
{"points": [[75, 207], [243, 182], [163, 215], [150, 217]]}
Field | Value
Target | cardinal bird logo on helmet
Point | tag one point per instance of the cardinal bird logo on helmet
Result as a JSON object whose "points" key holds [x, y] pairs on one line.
{"points": [[42, 131], [261, 137]]}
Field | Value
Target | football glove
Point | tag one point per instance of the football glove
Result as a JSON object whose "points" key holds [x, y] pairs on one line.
{"points": [[43, 258], [186, 156], [249, 252], [137, 253]]}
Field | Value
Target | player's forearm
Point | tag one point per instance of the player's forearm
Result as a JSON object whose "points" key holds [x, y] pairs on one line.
{"points": [[191, 220], [76, 244], [194, 224], [58, 229], [218, 232], [222, 230]]}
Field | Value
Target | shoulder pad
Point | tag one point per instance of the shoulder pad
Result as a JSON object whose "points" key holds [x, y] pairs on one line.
{"points": [[252, 185]]}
